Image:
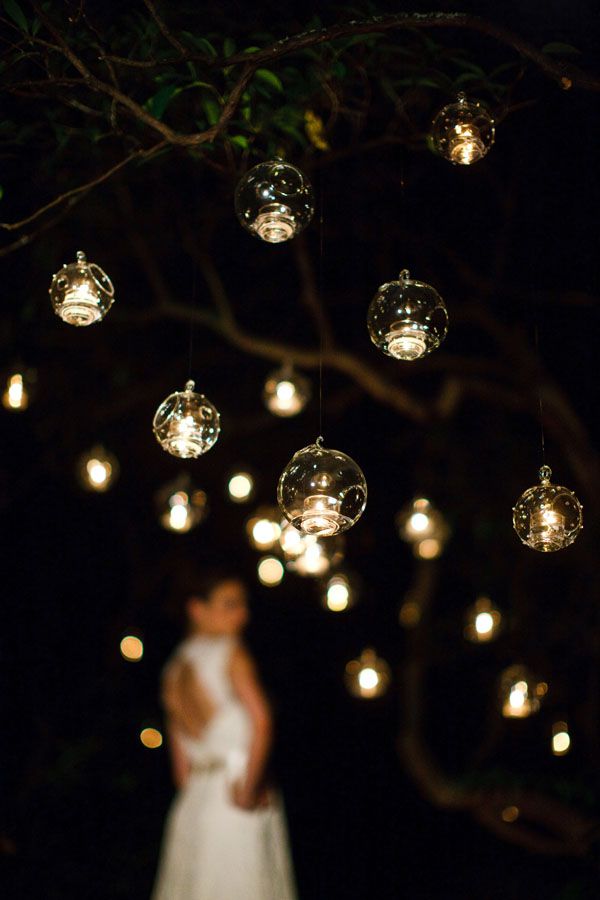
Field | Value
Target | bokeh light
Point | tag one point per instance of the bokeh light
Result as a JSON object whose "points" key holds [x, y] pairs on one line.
{"points": [[151, 738], [132, 648], [270, 571]]}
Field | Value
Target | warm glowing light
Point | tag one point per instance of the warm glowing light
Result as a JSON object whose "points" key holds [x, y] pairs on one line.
{"points": [[429, 548], [561, 740], [97, 469], [265, 533], [314, 559], [338, 593], [463, 132], [240, 487], [274, 201], [520, 693], [16, 397], [151, 738], [291, 541], [286, 392], [263, 528], [132, 648], [322, 491], [81, 292], [407, 319], [510, 814], [422, 525], [547, 517], [180, 505], [410, 614], [368, 679], [186, 424], [270, 571], [367, 676], [483, 621]]}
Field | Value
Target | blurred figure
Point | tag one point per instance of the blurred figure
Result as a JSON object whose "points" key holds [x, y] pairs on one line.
{"points": [[225, 836]]}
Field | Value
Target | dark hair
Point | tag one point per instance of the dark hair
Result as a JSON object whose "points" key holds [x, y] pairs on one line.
{"points": [[192, 581]]}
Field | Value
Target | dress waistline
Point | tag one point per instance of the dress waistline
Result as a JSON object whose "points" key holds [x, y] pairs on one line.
{"points": [[207, 765]]}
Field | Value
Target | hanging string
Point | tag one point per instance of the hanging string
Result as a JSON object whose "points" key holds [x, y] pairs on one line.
{"points": [[539, 386], [192, 309], [320, 300]]}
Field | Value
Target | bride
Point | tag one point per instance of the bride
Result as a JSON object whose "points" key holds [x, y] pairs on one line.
{"points": [[225, 836]]}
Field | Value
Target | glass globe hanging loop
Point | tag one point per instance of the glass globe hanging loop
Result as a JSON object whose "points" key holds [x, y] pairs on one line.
{"points": [[463, 132], [407, 319], [186, 424], [274, 201], [547, 517], [81, 292], [286, 392], [322, 492]]}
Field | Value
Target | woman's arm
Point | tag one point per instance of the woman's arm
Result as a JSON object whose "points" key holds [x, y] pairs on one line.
{"points": [[180, 764], [248, 688]]}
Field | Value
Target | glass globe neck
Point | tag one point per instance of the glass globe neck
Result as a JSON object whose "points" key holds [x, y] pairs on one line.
{"points": [[404, 276], [81, 258], [461, 98], [189, 386], [545, 475]]}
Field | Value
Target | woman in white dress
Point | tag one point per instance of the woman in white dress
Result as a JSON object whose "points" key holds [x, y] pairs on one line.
{"points": [[225, 836]]}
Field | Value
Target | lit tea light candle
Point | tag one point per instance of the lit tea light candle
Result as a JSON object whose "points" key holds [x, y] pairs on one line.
{"points": [[466, 146], [321, 515], [407, 340], [547, 528]]}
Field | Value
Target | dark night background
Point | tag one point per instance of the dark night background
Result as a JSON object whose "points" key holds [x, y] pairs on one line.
{"points": [[83, 802]]}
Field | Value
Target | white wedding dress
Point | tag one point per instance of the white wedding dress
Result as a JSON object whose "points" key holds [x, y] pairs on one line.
{"points": [[213, 850]]}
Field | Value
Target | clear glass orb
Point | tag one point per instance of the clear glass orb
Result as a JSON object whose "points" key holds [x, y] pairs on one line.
{"points": [[180, 505], [240, 487], [482, 621], [368, 676], [407, 319], [463, 132], [263, 528], [186, 424], [131, 647], [274, 201], [520, 692], [270, 571], [322, 492], [81, 292], [561, 739], [421, 524], [97, 469], [339, 592], [547, 517], [286, 393]]}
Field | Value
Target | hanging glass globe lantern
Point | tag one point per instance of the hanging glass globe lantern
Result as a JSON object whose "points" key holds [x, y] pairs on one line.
{"points": [[97, 469], [368, 676], [463, 132], [263, 528], [520, 692], [81, 292], [274, 201], [181, 506], [423, 526], [286, 393], [322, 492], [186, 424], [407, 319], [547, 517], [482, 621], [339, 592]]}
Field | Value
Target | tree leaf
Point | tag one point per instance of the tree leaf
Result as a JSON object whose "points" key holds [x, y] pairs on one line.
{"points": [[228, 47], [212, 110], [239, 140], [158, 104], [270, 78], [555, 48], [200, 43], [16, 14]]}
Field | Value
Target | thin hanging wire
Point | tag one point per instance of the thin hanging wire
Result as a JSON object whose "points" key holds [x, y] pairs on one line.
{"points": [[192, 310], [320, 300], [539, 386]]}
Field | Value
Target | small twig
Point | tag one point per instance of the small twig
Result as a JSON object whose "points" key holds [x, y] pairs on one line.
{"points": [[137, 154], [168, 34]]}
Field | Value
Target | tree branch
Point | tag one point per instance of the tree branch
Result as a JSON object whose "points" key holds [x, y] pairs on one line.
{"points": [[74, 192], [167, 33]]}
